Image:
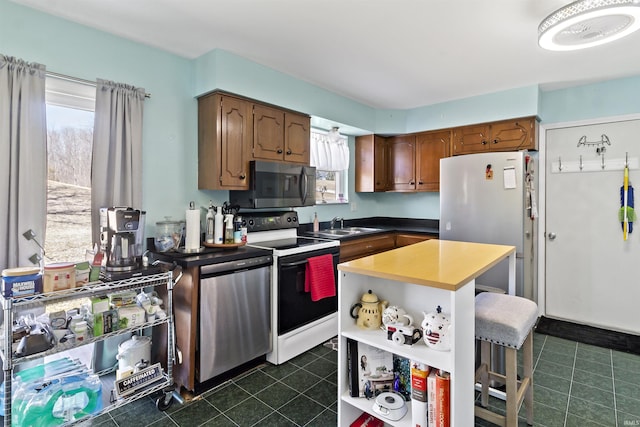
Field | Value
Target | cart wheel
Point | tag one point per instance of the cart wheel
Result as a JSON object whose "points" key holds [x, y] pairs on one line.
{"points": [[164, 402]]}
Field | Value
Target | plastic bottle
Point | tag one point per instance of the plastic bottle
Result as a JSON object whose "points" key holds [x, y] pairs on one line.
{"points": [[218, 237], [209, 226], [316, 223], [228, 229]]}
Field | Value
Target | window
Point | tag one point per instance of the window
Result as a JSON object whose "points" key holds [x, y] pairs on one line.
{"points": [[330, 156], [70, 110]]}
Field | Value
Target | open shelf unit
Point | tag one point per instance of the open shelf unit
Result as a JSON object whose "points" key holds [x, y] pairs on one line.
{"points": [[110, 401]]}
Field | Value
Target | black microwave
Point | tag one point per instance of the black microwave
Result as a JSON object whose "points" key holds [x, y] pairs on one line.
{"points": [[277, 185]]}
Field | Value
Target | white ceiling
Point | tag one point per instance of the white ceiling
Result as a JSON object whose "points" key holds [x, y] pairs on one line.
{"points": [[395, 54]]}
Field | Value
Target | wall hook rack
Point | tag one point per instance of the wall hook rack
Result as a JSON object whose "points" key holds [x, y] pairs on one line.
{"points": [[600, 145], [601, 165]]}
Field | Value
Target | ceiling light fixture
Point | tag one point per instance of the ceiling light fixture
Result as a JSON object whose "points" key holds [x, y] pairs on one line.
{"points": [[587, 23]]}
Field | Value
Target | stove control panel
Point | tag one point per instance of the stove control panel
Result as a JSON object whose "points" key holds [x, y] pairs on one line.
{"points": [[264, 221]]}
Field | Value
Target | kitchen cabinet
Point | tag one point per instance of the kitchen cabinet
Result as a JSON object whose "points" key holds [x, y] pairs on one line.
{"points": [[356, 248], [445, 277], [430, 148], [233, 130], [402, 162], [280, 135], [105, 397], [371, 163], [414, 160], [405, 239], [505, 135], [225, 135]]}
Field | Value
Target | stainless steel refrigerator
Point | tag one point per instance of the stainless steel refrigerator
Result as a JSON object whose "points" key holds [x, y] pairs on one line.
{"points": [[490, 198]]}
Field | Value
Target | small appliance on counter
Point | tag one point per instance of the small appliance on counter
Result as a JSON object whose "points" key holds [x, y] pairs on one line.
{"points": [[122, 232]]}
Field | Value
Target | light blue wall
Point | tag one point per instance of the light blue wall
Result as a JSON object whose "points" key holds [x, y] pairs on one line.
{"points": [[611, 98], [170, 127]]}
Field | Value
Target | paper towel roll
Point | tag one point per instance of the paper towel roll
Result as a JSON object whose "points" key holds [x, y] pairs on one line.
{"points": [[192, 238]]}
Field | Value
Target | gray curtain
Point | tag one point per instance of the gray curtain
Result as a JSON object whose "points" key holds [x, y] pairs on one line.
{"points": [[23, 159], [116, 168]]}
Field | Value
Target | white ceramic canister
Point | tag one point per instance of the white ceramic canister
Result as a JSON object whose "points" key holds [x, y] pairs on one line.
{"points": [[132, 351]]}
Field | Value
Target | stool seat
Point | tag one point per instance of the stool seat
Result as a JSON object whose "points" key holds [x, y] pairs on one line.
{"points": [[504, 319], [508, 321]]}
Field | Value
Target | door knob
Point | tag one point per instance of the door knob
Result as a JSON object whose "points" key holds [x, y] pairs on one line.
{"points": [[552, 236]]}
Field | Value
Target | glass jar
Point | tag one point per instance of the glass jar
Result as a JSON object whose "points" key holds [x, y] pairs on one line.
{"points": [[168, 235]]}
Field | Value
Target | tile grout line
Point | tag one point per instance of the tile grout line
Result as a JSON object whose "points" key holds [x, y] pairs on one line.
{"points": [[613, 383], [573, 370]]}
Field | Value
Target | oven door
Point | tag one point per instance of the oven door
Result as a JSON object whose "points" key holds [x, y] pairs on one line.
{"points": [[295, 307]]}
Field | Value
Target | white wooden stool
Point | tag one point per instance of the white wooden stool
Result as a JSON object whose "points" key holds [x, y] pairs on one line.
{"points": [[508, 321]]}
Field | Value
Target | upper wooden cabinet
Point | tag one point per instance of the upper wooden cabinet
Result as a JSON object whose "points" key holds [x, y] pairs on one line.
{"points": [[233, 130], [225, 132], [280, 135], [371, 163], [506, 135], [430, 148], [402, 162]]}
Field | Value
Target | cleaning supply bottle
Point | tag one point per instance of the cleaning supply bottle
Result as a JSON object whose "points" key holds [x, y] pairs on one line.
{"points": [[218, 237], [316, 223], [208, 236], [228, 229]]}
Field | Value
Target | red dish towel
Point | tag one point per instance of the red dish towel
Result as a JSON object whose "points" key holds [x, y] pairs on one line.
{"points": [[319, 278]]}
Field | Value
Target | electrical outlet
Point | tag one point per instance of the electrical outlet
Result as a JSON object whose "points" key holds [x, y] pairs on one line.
{"points": [[354, 207]]}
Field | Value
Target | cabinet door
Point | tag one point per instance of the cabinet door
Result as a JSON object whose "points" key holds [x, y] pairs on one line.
{"points": [[297, 138], [410, 239], [402, 163], [430, 148], [356, 248], [235, 127], [371, 163], [510, 135], [471, 139], [268, 133], [380, 164]]}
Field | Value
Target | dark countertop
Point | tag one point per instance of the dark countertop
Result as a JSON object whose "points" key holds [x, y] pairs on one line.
{"points": [[383, 224], [210, 256]]}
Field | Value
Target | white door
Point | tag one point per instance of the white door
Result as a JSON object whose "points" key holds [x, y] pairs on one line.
{"points": [[592, 274]]}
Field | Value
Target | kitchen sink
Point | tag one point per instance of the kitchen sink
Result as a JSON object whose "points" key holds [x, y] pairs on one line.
{"points": [[347, 231]]}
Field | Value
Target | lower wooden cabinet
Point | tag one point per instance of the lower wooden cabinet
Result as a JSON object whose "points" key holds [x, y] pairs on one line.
{"points": [[403, 239], [357, 248], [365, 246]]}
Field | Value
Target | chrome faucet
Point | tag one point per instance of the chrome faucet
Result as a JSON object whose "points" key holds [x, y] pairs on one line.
{"points": [[337, 218]]}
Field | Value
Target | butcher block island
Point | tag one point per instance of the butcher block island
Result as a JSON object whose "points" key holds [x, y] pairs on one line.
{"points": [[418, 278]]}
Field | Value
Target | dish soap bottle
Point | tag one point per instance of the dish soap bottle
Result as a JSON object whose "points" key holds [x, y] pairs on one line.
{"points": [[316, 223], [208, 236], [218, 237]]}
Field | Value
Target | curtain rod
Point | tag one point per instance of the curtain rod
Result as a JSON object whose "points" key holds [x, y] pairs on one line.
{"points": [[79, 80]]}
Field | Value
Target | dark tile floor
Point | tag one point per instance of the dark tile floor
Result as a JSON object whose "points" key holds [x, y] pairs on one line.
{"points": [[575, 385]]}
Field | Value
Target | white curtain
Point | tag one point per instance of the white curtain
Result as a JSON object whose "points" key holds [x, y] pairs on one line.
{"points": [[116, 164], [329, 152], [23, 159]]}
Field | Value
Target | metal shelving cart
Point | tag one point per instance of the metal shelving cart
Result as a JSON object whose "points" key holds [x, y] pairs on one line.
{"points": [[164, 385]]}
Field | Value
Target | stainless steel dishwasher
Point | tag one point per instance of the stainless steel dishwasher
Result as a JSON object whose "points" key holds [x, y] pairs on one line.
{"points": [[235, 314]]}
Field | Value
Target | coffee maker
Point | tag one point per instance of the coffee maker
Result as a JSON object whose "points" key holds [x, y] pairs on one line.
{"points": [[121, 237]]}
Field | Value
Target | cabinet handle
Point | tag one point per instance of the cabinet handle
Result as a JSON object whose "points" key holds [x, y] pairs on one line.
{"points": [[279, 151], [242, 176], [288, 152], [484, 142], [368, 247], [420, 182], [411, 183], [495, 141]]}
